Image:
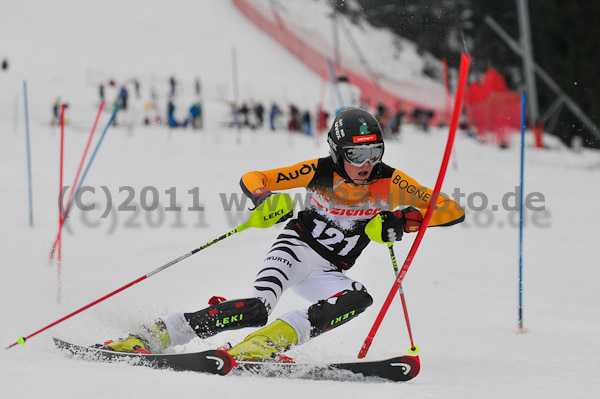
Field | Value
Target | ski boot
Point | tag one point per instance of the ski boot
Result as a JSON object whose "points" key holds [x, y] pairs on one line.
{"points": [[153, 339], [157, 336], [131, 344], [266, 343]]}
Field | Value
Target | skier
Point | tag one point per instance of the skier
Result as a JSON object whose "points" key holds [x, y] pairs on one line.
{"points": [[314, 250]]}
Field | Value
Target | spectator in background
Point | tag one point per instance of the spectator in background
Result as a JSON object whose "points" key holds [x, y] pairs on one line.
{"points": [[259, 111], [466, 124], [397, 118], [426, 117], [422, 117], [244, 111], [274, 115], [396, 122], [172, 86], [55, 113], [307, 123], [101, 92], [147, 109], [123, 96], [136, 85], [154, 105], [195, 115], [381, 112], [171, 113], [5, 64], [197, 86], [293, 125], [322, 119]]}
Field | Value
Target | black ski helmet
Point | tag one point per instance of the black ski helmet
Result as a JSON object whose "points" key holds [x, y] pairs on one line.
{"points": [[353, 127]]}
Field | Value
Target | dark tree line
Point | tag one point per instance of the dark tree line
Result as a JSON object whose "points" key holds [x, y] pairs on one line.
{"points": [[565, 36]]}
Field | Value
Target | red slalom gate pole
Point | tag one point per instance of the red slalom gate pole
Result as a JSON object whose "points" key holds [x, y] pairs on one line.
{"points": [[62, 152], [60, 197], [462, 81], [87, 147]]}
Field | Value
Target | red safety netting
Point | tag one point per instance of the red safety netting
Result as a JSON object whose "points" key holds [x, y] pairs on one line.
{"points": [[492, 108], [276, 28]]}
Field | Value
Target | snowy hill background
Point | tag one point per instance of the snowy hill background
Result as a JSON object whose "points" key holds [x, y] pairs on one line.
{"points": [[461, 289]]}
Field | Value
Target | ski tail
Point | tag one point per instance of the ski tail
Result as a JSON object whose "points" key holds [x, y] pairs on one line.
{"points": [[212, 361]]}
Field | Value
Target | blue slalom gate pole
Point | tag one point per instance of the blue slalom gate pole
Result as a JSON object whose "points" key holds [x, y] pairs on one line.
{"points": [[523, 121], [87, 168], [85, 172], [334, 79], [28, 155]]}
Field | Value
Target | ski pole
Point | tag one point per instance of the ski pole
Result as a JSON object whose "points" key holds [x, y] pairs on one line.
{"points": [[413, 348], [265, 215], [462, 80], [373, 231], [523, 122]]}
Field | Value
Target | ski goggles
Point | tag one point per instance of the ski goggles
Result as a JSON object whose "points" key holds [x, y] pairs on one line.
{"points": [[360, 155]]}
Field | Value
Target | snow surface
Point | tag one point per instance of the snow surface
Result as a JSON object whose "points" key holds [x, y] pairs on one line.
{"points": [[461, 289]]}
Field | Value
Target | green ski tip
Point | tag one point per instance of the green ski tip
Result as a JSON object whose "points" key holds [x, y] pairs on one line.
{"points": [[21, 341]]}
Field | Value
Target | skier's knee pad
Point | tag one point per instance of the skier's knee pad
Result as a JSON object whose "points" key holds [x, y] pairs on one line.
{"points": [[228, 315], [337, 310]]}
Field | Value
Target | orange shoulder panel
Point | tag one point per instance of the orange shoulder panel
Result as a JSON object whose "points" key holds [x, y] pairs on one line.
{"points": [[405, 191], [298, 175]]}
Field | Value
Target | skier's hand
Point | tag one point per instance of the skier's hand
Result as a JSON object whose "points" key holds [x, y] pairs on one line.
{"points": [[412, 219], [266, 194], [395, 224], [392, 227]]}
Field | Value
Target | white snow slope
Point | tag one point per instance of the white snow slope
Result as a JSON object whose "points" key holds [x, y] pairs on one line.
{"points": [[461, 288]]}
